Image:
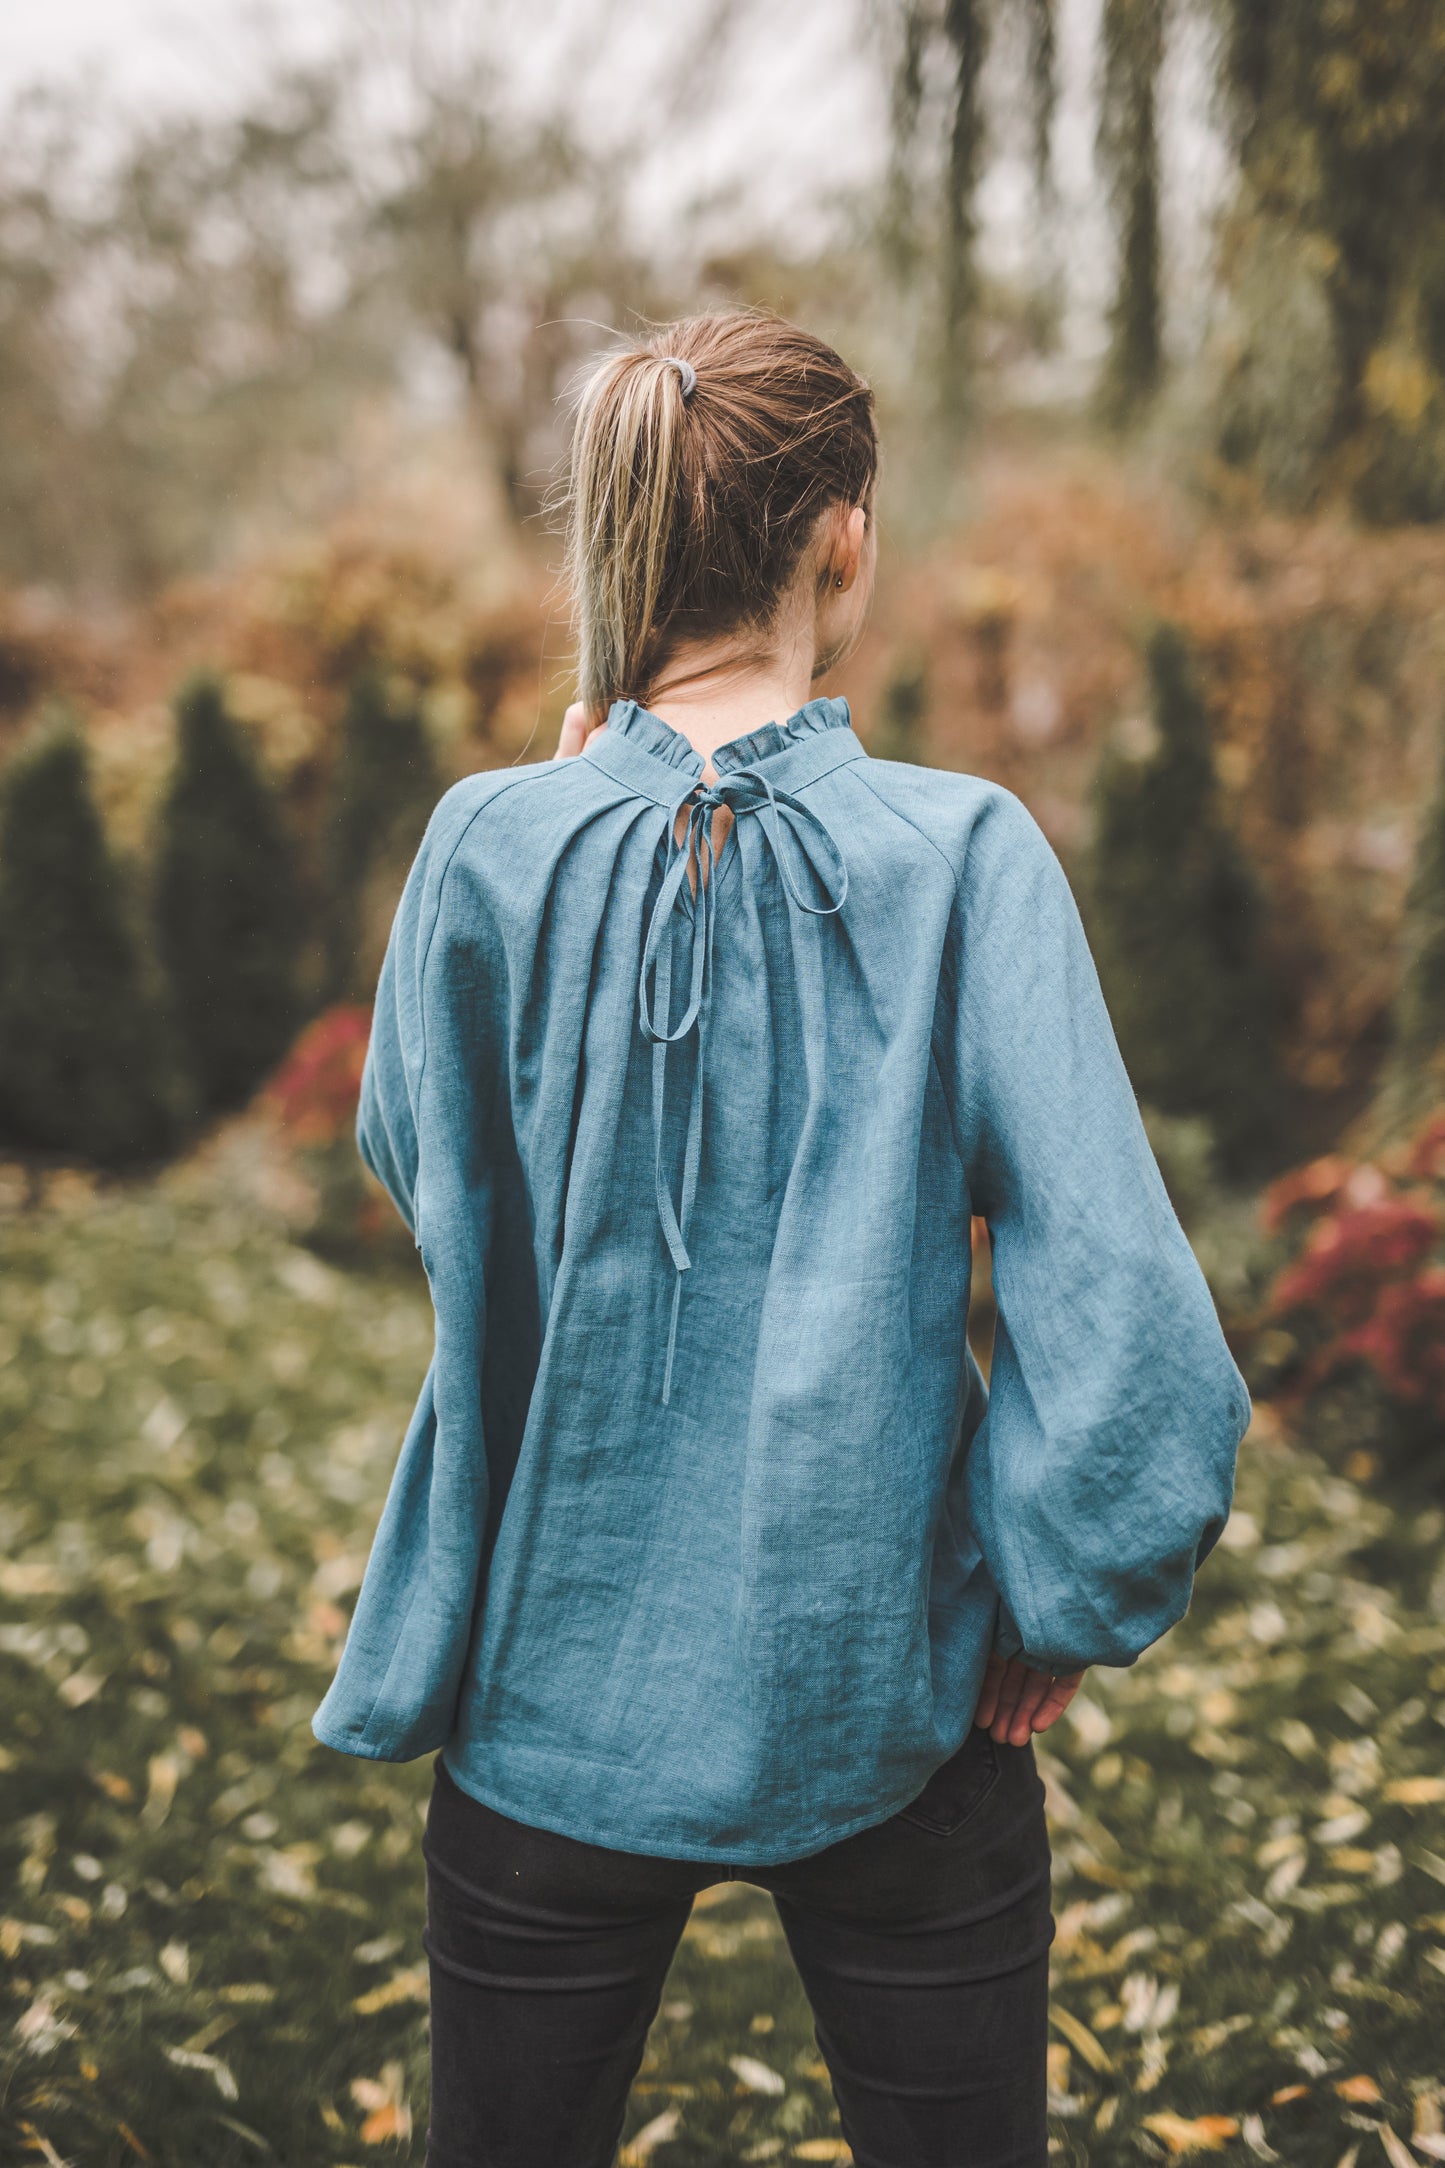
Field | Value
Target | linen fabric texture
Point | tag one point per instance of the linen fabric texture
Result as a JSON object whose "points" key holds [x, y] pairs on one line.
{"points": [[744, 1622]]}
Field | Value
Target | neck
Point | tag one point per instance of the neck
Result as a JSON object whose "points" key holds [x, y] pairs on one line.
{"points": [[713, 696]]}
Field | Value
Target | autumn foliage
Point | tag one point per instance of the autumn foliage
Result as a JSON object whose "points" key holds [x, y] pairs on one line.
{"points": [[1362, 1297], [314, 1092]]}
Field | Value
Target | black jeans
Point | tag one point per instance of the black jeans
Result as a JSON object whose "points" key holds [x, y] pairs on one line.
{"points": [[922, 1944]]}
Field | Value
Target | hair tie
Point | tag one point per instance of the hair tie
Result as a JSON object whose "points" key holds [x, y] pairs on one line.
{"points": [[687, 375]]}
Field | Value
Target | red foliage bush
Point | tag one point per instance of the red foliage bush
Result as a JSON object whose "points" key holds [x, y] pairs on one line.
{"points": [[314, 1092], [1351, 1256], [1367, 1288], [1404, 1340]]}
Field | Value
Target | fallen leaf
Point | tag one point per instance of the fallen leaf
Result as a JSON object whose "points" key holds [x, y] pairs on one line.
{"points": [[39, 2029], [757, 2077], [388, 2115], [1078, 2035], [377, 1951], [244, 2130], [213, 2030], [190, 2059], [823, 2149], [660, 2131], [1252, 2132], [163, 1773], [37, 2142], [409, 1986], [289, 1871], [1207, 2038], [393, 2120], [1416, 1791], [1287, 2092], [1428, 2120], [31, 1577], [80, 1687], [1199, 2134], [15, 1933], [1361, 2087]]}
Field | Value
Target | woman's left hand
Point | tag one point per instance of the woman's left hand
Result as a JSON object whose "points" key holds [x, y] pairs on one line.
{"points": [[1017, 1701]]}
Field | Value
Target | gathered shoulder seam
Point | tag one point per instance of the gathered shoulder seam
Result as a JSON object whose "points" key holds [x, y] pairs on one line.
{"points": [[909, 822]]}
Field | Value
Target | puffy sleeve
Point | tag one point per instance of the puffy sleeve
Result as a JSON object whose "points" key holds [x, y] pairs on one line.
{"points": [[1103, 1471], [425, 1127]]}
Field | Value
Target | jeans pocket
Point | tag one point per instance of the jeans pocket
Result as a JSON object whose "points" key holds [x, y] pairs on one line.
{"points": [[957, 1790]]}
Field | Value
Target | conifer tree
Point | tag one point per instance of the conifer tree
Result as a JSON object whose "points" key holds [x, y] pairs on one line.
{"points": [[898, 733], [383, 790], [228, 912], [1175, 922], [82, 1064]]}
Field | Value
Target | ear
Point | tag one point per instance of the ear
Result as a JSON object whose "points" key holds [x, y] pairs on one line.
{"points": [[846, 554]]}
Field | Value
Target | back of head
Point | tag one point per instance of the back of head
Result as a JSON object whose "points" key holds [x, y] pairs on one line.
{"points": [[702, 461]]}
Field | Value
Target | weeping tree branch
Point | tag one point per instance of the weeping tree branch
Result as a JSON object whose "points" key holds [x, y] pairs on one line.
{"points": [[1247, 66], [905, 105], [1043, 78], [965, 27], [1133, 48]]}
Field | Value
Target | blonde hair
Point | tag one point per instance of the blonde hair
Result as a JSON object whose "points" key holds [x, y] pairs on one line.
{"points": [[688, 506]]}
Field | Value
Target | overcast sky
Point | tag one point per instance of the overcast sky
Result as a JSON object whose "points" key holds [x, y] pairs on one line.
{"points": [[142, 48], [797, 96], [798, 113]]}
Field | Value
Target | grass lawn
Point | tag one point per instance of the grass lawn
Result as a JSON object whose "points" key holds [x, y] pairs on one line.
{"points": [[211, 1924]]}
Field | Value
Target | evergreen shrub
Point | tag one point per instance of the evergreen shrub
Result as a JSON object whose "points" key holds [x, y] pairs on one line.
{"points": [[83, 1069], [383, 789], [1175, 923], [898, 732], [229, 921]]}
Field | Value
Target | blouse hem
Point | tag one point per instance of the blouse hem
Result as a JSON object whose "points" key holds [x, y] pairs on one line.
{"points": [[616, 1840]]}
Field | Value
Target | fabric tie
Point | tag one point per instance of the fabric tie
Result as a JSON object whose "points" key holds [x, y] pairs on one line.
{"points": [[742, 791]]}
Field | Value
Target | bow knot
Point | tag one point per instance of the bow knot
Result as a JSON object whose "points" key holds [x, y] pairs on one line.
{"points": [[741, 791]]}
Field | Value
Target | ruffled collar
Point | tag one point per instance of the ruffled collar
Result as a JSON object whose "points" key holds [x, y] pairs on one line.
{"points": [[638, 724]]}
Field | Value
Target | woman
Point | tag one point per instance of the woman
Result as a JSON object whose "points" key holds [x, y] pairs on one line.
{"points": [[707, 1553]]}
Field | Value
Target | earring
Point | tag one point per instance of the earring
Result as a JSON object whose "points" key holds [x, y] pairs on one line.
{"points": [[838, 581]]}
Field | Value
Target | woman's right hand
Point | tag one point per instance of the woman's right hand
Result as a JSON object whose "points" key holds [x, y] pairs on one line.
{"points": [[575, 732], [1016, 1701]]}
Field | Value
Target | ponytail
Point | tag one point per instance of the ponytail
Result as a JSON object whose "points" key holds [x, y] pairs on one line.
{"points": [[701, 461], [626, 477]]}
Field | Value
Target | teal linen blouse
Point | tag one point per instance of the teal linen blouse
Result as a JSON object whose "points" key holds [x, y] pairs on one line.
{"points": [[705, 1523]]}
